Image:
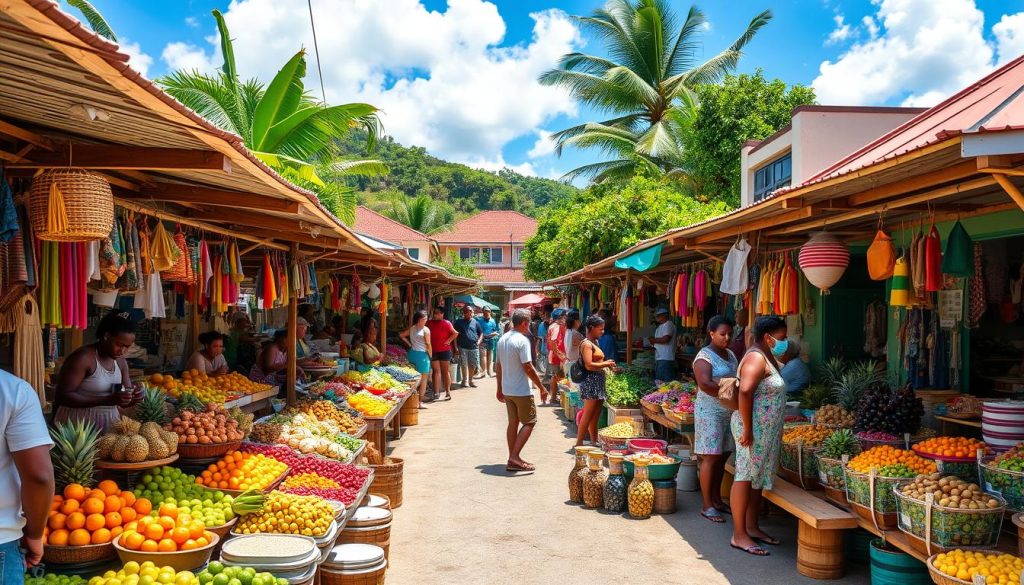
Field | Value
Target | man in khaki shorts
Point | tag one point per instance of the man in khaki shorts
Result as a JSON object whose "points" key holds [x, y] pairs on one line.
{"points": [[515, 371]]}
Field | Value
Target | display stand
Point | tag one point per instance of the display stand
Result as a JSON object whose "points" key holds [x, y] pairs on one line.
{"points": [[377, 428], [127, 474]]}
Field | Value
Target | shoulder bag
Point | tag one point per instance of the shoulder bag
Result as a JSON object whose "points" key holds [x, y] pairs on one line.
{"points": [[578, 370]]}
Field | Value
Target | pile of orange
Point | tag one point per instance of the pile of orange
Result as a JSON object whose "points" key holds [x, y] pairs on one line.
{"points": [[949, 447], [169, 531], [82, 516], [242, 471], [884, 455]]}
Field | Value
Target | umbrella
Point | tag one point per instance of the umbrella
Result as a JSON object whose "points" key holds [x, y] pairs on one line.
{"points": [[475, 301], [529, 300]]}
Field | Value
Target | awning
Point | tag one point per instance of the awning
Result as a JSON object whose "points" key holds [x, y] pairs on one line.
{"points": [[475, 301], [641, 260], [529, 300]]}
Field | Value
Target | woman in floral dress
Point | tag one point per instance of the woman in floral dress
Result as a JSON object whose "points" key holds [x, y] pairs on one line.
{"points": [[757, 430], [713, 435]]}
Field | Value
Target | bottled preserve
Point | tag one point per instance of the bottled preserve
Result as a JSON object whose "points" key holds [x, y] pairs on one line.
{"points": [[641, 491], [576, 477], [616, 485], [593, 480]]}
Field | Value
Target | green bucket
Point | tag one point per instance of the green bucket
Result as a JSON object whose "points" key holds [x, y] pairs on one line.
{"points": [[858, 544], [894, 567]]}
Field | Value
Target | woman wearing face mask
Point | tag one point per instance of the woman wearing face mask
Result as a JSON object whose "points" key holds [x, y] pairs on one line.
{"points": [[757, 430]]}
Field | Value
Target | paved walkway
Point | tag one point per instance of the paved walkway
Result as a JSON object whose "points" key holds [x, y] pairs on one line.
{"points": [[465, 520]]}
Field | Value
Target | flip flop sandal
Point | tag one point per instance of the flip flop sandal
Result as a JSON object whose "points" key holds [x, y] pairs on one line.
{"points": [[769, 540], [713, 515], [752, 550], [725, 509], [520, 468]]}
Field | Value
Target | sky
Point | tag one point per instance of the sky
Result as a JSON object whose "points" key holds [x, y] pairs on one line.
{"points": [[459, 77]]}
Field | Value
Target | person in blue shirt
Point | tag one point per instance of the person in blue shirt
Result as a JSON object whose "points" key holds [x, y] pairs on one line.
{"points": [[794, 371], [491, 333], [607, 340]]}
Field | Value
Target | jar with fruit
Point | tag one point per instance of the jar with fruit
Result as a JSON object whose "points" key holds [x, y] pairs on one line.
{"points": [[576, 475], [593, 480], [614, 492], [640, 497]]}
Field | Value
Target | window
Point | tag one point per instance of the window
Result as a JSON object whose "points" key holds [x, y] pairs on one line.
{"points": [[772, 176], [518, 251], [414, 253], [482, 255]]}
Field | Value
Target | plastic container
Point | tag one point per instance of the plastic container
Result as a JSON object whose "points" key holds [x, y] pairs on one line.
{"points": [[289, 550], [894, 567], [660, 471], [646, 445], [688, 479]]}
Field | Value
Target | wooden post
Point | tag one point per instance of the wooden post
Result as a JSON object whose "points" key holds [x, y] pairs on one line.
{"points": [[293, 322], [1010, 189], [629, 332], [385, 302], [194, 317]]}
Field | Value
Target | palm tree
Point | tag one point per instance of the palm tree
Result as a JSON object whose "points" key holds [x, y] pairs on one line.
{"points": [[422, 213], [95, 20], [281, 123], [646, 82]]}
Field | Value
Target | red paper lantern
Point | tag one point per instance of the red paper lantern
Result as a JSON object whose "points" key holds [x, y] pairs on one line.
{"points": [[824, 260]]}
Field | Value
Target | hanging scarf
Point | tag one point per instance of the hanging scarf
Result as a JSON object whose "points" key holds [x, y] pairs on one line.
{"points": [[933, 261], [163, 250]]}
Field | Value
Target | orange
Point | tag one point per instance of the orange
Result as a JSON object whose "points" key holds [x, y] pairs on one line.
{"points": [[109, 487], [133, 525], [128, 497], [74, 491], [58, 538], [101, 536], [80, 537], [132, 540], [196, 530], [189, 545], [202, 541], [92, 506], [128, 514], [57, 521], [149, 545], [154, 531], [145, 521], [166, 522], [180, 534], [75, 521], [113, 519], [94, 522], [169, 510], [96, 493], [112, 504], [167, 545], [69, 506], [143, 506], [115, 531]]}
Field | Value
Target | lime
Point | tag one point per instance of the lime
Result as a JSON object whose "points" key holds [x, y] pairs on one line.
{"points": [[131, 568], [234, 582], [215, 567], [205, 577], [221, 579]]}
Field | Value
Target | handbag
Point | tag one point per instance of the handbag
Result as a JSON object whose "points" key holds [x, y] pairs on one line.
{"points": [[578, 370], [729, 393]]}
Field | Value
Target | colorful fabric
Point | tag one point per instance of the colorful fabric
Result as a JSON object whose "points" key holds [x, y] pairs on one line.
{"points": [[712, 434], [933, 261]]}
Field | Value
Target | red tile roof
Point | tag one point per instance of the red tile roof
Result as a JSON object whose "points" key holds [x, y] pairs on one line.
{"points": [[502, 275], [373, 224], [991, 104], [490, 227]]}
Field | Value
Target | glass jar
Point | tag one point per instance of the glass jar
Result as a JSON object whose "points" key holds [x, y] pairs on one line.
{"points": [[616, 485], [576, 477], [593, 480], [641, 491]]}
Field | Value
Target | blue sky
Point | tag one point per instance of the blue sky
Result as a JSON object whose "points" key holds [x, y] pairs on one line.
{"points": [[458, 76]]}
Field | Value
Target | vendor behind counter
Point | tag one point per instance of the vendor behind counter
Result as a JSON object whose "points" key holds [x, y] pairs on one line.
{"points": [[209, 359]]}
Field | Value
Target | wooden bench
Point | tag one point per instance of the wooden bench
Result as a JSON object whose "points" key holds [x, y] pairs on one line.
{"points": [[819, 553]]}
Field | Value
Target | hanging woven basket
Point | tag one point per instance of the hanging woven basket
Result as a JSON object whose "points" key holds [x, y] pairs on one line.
{"points": [[71, 205], [824, 259]]}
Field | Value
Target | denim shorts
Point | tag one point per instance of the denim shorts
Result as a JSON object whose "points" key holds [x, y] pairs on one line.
{"points": [[12, 563]]}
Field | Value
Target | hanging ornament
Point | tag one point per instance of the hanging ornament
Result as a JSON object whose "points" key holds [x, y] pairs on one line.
{"points": [[824, 260], [900, 294], [373, 291]]}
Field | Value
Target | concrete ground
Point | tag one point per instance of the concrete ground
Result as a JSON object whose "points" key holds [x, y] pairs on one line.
{"points": [[465, 520]]}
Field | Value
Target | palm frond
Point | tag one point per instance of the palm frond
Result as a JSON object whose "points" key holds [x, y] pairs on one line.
{"points": [[290, 168], [97, 23], [681, 57], [207, 96], [585, 63], [592, 90], [359, 168], [227, 48], [636, 88], [281, 100], [624, 167], [609, 139]]}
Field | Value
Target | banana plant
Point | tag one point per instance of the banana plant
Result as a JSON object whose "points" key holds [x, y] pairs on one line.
{"points": [[94, 19]]}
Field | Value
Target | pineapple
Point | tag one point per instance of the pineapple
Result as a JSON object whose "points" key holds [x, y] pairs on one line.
{"points": [[117, 451], [74, 453], [105, 445], [839, 443], [850, 387], [137, 449], [128, 426], [153, 407]]}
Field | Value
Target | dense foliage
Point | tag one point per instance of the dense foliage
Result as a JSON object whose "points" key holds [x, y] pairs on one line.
{"points": [[743, 107], [625, 388], [606, 219]]}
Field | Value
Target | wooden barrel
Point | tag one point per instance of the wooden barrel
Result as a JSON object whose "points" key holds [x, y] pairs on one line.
{"points": [[387, 480], [369, 526], [664, 497], [410, 413], [819, 554], [376, 501]]}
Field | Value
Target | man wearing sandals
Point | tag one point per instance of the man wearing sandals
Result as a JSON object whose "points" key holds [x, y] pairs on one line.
{"points": [[515, 371]]}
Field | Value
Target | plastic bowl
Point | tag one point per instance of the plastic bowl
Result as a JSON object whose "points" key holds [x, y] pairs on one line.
{"points": [[182, 560], [662, 471], [637, 445]]}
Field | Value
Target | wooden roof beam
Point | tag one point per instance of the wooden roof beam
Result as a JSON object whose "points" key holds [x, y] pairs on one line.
{"points": [[95, 156], [756, 225], [999, 164], [955, 172], [176, 192], [20, 133], [1012, 190]]}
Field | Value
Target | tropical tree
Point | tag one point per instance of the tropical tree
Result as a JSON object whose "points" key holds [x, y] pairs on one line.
{"points": [[94, 19], [281, 123], [647, 83], [422, 213]]}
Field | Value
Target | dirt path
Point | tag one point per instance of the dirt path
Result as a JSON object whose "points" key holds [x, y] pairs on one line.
{"points": [[465, 520]]}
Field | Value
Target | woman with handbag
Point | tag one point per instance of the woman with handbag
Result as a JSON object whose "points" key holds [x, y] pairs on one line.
{"points": [[713, 435], [757, 430], [589, 372]]}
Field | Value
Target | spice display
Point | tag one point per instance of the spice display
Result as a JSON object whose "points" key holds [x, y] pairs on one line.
{"points": [[593, 480], [834, 416], [964, 565], [640, 497], [614, 492], [576, 475], [289, 514]]}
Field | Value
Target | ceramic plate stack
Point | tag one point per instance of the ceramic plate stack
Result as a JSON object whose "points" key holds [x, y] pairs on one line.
{"points": [[354, 564], [288, 556], [1002, 423]]}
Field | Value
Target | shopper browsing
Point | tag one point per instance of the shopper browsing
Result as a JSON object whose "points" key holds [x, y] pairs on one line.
{"points": [[514, 374], [713, 436], [491, 333], [442, 335], [664, 342], [556, 353], [417, 337], [467, 346]]}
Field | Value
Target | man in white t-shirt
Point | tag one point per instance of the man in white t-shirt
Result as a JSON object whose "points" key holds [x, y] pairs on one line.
{"points": [[515, 372], [664, 342], [26, 477]]}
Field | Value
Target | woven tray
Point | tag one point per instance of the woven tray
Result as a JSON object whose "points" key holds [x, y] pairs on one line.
{"points": [[73, 555], [940, 578], [206, 451], [137, 466]]}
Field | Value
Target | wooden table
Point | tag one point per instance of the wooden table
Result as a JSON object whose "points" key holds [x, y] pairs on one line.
{"points": [[948, 420], [376, 428], [685, 431], [254, 402]]}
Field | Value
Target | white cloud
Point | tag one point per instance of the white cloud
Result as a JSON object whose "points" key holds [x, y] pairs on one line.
{"points": [[497, 163], [183, 56], [543, 146], [443, 79], [871, 26], [841, 33], [925, 50], [137, 59], [1009, 32], [192, 21]]}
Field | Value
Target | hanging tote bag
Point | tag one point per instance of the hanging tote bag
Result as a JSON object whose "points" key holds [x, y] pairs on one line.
{"points": [[881, 257]]}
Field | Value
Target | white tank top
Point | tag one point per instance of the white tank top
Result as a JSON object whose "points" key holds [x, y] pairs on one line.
{"points": [[418, 338]]}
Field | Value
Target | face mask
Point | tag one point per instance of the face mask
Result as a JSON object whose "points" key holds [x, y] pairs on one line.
{"points": [[780, 347]]}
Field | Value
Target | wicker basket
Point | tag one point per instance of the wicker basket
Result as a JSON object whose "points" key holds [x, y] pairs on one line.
{"points": [[73, 555], [88, 205], [884, 506], [182, 560], [681, 418], [799, 465], [949, 527], [940, 578], [650, 408], [1006, 483], [387, 480], [223, 530], [613, 443], [207, 450]]}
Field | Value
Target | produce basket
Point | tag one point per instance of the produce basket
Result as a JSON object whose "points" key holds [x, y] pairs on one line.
{"points": [[206, 451], [223, 530], [1005, 483], [799, 464], [650, 409], [882, 509], [182, 560], [832, 478], [683, 418], [75, 555], [136, 466], [265, 490], [613, 443], [949, 527], [940, 578]]}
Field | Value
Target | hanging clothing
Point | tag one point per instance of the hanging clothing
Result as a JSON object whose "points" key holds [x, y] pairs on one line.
{"points": [[976, 288], [735, 276], [933, 261], [8, 212], [29, 362], [917, 264], [875, 329]]}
